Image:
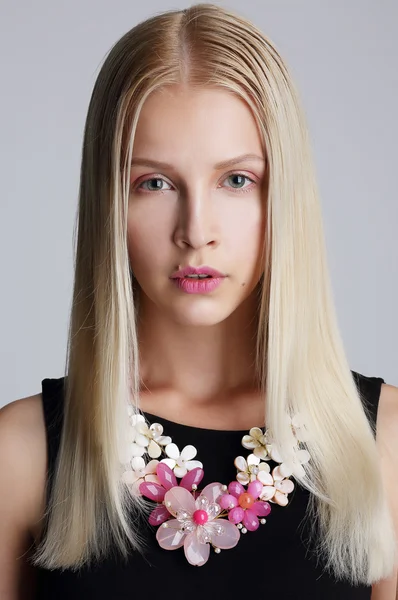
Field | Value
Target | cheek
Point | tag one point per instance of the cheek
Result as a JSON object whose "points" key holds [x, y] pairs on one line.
{"points": [[142, 232], [244, 232]]}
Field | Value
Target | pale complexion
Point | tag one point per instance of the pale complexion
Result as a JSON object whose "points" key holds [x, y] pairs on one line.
{"points": [[197, 351]]}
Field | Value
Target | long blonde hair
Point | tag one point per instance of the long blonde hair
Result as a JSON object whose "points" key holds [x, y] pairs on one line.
{"points": [[300, 360]]}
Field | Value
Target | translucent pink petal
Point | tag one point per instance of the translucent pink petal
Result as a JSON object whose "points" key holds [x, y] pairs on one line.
{"points": [[153, 491], [255, 488], [166, 476], [170, 538], [178, 498], [261, 509], [213, 492], [196, 553], [250, 520], [193, 477], [236, 489], [159, 515], [230, 536]]}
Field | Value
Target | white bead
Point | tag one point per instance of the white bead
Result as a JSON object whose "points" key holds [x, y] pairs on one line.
{"points": [[194, 487], [263, 521], [244, 530], [239, 525], [224, 488], [217, 550], [164, 525], [168, 503]]}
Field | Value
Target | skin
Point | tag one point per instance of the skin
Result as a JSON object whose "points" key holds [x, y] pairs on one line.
{"points": [[197, 349]]}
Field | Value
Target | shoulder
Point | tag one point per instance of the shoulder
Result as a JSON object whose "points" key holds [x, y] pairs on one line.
{"points": [[23, 459], [387, 443], [387, 415]]}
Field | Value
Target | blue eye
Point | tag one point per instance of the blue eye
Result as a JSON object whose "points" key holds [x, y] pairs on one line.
{"points": [[238, 185], [157, 188], [241, 180]]}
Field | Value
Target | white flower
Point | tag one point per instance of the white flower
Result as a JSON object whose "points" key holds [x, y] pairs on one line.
{"points": [[146, 439], [251, 469], [298, 427], [292, 466], [181, 463], [140, 472], [278, 491], [256, 441]]}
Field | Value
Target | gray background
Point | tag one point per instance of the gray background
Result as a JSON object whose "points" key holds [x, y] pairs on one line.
{"points": [[343, 56]]}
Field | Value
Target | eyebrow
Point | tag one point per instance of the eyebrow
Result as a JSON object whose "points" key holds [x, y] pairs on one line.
{"points": [[147, 162]]}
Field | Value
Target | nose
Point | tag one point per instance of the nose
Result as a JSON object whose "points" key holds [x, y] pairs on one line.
{"points": [[196, 225]]}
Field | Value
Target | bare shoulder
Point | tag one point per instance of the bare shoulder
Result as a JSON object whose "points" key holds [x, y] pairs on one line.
{"points": [[387, 443], [387, 415], [23, 450], [23, 466]]}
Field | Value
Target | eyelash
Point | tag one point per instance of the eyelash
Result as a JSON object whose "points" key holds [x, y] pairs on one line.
{"points": [[235, 190]]}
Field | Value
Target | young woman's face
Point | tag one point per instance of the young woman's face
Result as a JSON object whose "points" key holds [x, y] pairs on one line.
{"points": [[190, 210]]}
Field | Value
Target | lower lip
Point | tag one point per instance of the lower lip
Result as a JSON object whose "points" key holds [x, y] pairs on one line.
{"points": [[198, 286]]}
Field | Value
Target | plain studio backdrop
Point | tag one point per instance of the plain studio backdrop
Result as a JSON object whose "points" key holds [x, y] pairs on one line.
{"points": [[343, 57]]}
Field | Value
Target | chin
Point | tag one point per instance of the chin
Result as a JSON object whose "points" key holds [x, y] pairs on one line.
{"points": [[199, 315]]}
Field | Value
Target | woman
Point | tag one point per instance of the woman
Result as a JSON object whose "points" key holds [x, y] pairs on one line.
{"points": [[208, 416]]}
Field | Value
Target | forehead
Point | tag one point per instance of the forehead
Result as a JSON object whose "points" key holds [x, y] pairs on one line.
{"points": [[199, 122]]}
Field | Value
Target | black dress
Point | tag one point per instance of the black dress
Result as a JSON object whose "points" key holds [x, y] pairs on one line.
{"points": [[272, 562]]}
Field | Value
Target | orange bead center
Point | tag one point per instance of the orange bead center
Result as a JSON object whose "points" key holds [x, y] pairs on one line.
{"points": [[246, 500]]}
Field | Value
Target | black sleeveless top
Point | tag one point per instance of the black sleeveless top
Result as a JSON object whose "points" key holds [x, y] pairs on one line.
{"points": [[273, 562]]}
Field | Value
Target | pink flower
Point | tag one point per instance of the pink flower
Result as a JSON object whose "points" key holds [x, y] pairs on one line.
{"points": [[156, 491], [196, 524], [243, 505]]}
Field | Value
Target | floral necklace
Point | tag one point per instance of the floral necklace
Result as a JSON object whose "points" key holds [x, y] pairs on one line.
{"points": [[217, 515]]}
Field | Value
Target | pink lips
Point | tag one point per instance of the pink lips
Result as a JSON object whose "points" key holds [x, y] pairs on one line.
{"points": [[197, 286], [204, 270]]}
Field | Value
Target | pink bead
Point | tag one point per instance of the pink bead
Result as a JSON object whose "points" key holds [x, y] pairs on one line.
{"points": [[166, 476], [262, 509], [227, 501], [255, 488], [236, 515], [193, 477], [236, 489], [159, 515], [152, 490], [200, 517], [250, 520]]}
